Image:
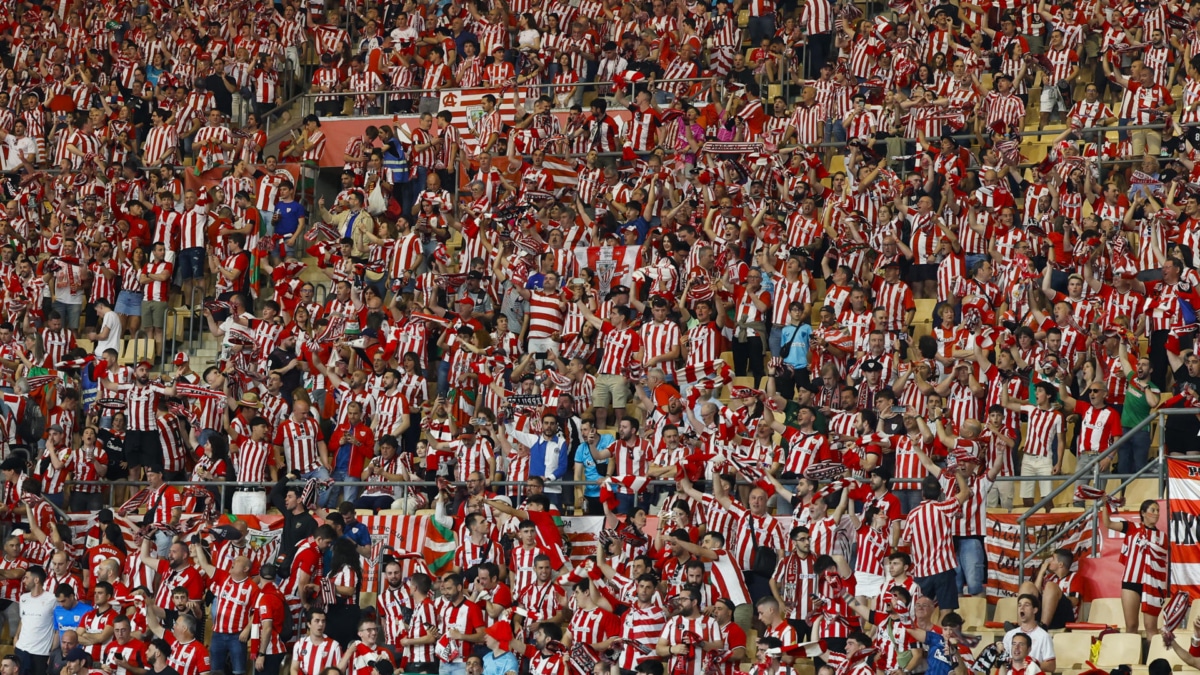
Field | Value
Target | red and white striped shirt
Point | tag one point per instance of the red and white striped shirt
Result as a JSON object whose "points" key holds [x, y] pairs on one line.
{"points": [[187, 658], [314, 657], [299, 441], [157, 291], [1042, 431], [705, 627], [545, 314], [658, 339], [620, 346], [787, 292], [1098, 427], [927, 530], [643, 625], [235, 601], [141, 402]]}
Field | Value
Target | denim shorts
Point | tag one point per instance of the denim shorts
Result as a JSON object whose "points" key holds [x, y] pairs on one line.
{"points": [[190, 262], [129, 303]]}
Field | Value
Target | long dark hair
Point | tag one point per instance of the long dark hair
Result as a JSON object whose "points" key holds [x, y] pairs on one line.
{"points": [[345, 554], [112, 534]]}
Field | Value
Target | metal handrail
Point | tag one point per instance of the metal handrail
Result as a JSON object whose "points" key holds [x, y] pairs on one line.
{"points": [[435, 90], [1157, 464]]}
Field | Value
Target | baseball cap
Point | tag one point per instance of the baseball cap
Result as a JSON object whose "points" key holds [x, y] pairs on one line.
{"points": [[181, 358]]}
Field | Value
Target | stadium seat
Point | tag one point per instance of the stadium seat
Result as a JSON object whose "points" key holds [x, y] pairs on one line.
{"points": [[924, 309], [1195, 613], [1158, 650], [973, 612], [1119, 648], [86, 345], [1106, 611], [727, 357], [744, 381], [1073, 650], [367, 599], [985, 638], [136, 350], [1006, 610], [1139, 491]]}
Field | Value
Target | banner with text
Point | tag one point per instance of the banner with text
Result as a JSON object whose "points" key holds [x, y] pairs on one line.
{"points": [[1183, 535]]}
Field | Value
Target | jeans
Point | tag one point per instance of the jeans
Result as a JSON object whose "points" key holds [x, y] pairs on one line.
{"points": [[775, 340], [329, 498], [70, 313], [58, 499], [909, 499], [162, 542], [972, 259], [443, 378], [452, 669], [412, 189], [349, 492], [1136, 452], [35, 664], [835, 131], [972, 565], [228, 646], [761, 27]]}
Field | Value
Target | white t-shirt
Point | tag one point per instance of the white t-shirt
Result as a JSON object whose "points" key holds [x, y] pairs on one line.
{"points": [[1043, 645], [17, 148], [113, 323], [37, 624]]}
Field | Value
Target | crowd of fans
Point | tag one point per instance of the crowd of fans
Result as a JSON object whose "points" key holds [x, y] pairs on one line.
{"points": [[798, 178]]}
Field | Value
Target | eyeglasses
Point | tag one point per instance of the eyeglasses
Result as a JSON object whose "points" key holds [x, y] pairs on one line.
{"points": [[1095, 391]]}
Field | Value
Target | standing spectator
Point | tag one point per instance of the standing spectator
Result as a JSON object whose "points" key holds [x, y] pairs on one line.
{"points": [[35, 636]]}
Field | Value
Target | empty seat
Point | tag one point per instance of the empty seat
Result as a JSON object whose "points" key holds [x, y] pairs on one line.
{"points": [[1006, 610], [1158, 650], [973, 611], [1140, 490], [1072, 650], [1107, 611], [1119, 648]]}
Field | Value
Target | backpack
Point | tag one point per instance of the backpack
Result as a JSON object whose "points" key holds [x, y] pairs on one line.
{"points": [[287, 632], [32, 426]]}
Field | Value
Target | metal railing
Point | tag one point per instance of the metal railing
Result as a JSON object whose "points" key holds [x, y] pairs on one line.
{"points": [[223, 487], [1090, 468]]}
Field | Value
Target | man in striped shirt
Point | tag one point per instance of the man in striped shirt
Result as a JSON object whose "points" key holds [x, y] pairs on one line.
{"points": [[927, 531]]}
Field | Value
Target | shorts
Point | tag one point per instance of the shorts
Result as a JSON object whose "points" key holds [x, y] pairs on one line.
{"points": [[1151, 602], [1131, 586], [129, 303], [143, 448], [942, 587], [868, 585], [922, 273], [612, 389], [1052, 99], [154, 313], [1033, 465], [191, 263]]}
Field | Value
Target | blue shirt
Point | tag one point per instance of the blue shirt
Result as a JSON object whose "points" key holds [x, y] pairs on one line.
{"points": [[357, 533], [642, 226], [590, 471], [938, 663], [499, 665], [796, 354], [69, 618], [290, 214]]}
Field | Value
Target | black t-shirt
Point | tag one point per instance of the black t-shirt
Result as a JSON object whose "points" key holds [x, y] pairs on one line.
{"points": [[1184, 421], [114, 447], [222, 97], [292, 379]]}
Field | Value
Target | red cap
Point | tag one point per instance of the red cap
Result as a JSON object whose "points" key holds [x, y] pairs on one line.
{"points": [[181, 358]]}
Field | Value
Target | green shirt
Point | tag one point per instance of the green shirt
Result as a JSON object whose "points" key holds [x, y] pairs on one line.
{"points": [[820, 424], [1136, 408]]}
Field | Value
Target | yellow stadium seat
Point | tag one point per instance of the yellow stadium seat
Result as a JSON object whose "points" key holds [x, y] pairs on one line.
{"points": [[86, 345], [973, 611], [1106, 611], [744, 381], [1119, 648], [1140, 490], [1006, 609], [924, 309], [137, 350], [1195, 613], [1072, 650], [1158, 650], [727, 357]]}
